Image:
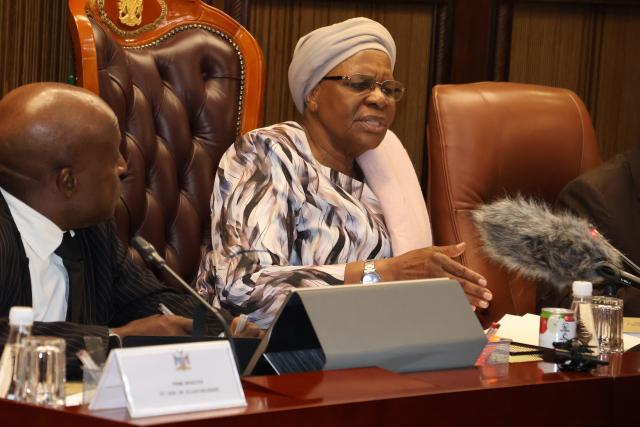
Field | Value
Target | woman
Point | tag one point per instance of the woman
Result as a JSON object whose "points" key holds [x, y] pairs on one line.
{"points": [[295, 205]]}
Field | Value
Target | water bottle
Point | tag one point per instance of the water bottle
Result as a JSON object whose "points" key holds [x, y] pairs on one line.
{"points": [[581, 305], [20, 322]]}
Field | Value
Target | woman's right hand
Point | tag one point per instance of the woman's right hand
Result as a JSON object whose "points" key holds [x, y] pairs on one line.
{"points": [[436, 261]]}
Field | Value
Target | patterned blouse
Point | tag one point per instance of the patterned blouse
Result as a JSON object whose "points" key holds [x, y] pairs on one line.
{"points": [[282, 220]]}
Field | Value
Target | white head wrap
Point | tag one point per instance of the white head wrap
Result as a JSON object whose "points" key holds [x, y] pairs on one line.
{"points": [[321, 50]]}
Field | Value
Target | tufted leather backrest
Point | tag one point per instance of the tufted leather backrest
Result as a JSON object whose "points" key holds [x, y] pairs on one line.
{"points": [[180, 92], [489, 140]]}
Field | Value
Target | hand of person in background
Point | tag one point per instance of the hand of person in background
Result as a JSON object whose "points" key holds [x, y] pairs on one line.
{"points": [[156, 325], [242, 328]]}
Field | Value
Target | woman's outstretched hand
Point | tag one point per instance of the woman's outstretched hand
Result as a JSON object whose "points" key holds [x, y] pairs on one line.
{"points": [[434, 261]]}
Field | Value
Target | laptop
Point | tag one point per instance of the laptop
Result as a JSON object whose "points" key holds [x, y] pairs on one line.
{"points": [[403, 326]]}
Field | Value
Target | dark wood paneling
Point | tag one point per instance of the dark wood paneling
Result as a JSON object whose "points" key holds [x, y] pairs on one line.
{"points": [[614, 100], [472, 41], [278, 24], [552, 44], [34, 42], [589, 48]]}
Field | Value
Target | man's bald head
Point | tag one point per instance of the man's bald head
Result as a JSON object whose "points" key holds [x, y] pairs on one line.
{"points": [[50, 133], [46, 126]]}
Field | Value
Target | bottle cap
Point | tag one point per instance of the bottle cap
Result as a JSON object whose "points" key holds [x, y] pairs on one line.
{"points": [[21, 316], [582, 289]]}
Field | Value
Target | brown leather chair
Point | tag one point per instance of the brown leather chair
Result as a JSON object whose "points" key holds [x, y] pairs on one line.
{"points": [[184, 80], [489, 140]]}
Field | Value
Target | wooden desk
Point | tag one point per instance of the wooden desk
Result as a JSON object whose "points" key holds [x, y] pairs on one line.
{"points": [[528, 394]]}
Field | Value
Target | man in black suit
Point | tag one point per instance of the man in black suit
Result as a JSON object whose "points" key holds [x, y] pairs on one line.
{"points": [[609, 198], [60, 171]]}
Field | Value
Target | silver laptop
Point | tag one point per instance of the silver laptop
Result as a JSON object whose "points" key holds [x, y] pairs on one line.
{"points": [[403, 326]]}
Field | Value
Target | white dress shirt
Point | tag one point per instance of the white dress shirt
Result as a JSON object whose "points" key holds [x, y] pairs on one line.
{"points": [[49, 278]]}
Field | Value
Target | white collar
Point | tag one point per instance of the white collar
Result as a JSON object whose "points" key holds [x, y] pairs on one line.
{"points": [[37, 231]]}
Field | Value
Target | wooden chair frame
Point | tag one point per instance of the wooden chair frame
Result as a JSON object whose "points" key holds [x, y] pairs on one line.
{"points": [[180, 13]]}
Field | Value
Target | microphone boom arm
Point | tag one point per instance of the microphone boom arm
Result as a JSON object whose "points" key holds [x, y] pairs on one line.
{"points": [[149, 254], [615, 275]]}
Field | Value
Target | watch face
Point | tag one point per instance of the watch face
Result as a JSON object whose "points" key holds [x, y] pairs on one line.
{"points": [[369, 278]]}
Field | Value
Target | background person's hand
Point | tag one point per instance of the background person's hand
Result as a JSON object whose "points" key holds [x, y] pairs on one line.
{"points": [[244, 329], [436, 261], [156, 325]]}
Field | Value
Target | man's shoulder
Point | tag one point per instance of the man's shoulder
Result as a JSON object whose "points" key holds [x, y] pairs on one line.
{"points": [[100, 239], [102, 230], [605, 179]]}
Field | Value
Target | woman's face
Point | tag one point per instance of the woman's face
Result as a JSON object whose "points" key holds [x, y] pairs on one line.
{"points": [[354, 122]]}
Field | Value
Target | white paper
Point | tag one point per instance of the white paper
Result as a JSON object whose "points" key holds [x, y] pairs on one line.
{"points": [[170, 379], [630, 341], [523, 329], [74, 399]]}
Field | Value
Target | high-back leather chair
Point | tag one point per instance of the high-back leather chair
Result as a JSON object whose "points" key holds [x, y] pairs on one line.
{"points": [[184, 80], [490, 140]]}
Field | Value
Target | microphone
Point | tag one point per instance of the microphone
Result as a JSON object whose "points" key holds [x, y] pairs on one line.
{"points": [[150, 255], [613, 274], [527, 237]]}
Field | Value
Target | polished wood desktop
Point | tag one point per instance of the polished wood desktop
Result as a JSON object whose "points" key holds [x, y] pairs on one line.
{"points": [[524, 394]]}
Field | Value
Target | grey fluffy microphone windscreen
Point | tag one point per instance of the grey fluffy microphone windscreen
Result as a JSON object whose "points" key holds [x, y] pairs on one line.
{"points": [[527, 237]]}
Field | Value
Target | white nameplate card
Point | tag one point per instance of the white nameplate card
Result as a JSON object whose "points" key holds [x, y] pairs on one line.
{"points": [[169, 379]]}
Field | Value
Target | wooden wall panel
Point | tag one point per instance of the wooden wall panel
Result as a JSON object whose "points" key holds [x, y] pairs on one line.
{"points": [[615, 97], [34, 42], [590, 46], [278, 24], [551, 44], [591, 49]]}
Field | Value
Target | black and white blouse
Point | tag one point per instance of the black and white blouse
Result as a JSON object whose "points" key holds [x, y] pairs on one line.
{"points": [[281, 220]]}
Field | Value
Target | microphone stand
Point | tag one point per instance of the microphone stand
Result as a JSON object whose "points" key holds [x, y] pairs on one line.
{"points": [[572, 356], [149, 253], [615, 278]]}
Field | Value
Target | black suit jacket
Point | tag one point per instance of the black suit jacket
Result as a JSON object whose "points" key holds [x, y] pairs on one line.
{"points": [[116, 291], [609, 197]]}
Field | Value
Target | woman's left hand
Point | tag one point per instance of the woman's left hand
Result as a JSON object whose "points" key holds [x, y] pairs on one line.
{"points": [[437, 261]]}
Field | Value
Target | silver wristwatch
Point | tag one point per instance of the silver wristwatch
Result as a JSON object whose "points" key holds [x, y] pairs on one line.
{"points": [[370, 275]]}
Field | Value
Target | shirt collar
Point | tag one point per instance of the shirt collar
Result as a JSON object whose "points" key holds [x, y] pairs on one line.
{"points": [[36, 230]]}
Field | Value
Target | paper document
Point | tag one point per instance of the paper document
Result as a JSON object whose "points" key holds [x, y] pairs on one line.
{"points": [[522, 329], [631, 326], [525, 330]]}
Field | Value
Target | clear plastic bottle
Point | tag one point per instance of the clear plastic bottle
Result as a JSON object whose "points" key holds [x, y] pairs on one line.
{"points": [[20, 323], [581, 306]]}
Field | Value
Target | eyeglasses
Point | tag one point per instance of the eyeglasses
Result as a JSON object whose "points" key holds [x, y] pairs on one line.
{"points": [[392, 89]]}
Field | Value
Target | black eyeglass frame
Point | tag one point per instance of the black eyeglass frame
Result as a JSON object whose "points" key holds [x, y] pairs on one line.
{"points": [[374, 83]]}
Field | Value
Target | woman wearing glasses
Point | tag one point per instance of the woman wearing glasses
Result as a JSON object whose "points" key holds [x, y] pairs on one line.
{"points": [[330, 200]]}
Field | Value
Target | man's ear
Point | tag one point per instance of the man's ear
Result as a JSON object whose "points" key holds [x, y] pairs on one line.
{"points": [[67, 182], [311, 99]]}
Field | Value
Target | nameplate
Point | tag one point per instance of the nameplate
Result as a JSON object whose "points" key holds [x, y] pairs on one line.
{"points": [[170, 379]]}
